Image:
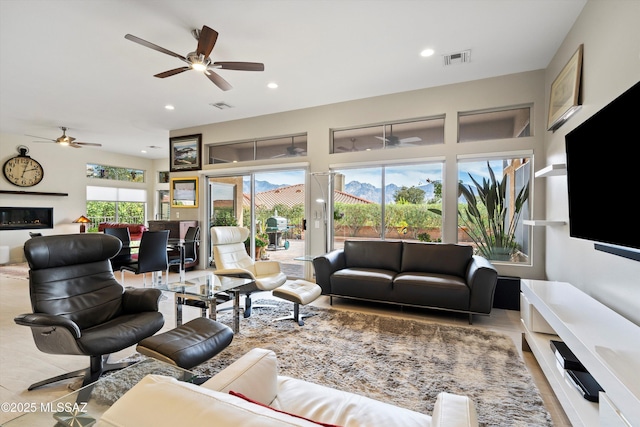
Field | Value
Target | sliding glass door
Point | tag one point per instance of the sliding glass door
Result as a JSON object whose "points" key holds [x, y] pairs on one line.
{"points": [[272, 206]]}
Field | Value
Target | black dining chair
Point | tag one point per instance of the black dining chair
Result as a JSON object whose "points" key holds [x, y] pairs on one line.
{"points": [[191, 238], [152, 255], [124, 256]]}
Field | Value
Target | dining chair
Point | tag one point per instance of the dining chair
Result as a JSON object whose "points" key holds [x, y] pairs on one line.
{"points": [[190, 249], [152, 256], [124, 256]]}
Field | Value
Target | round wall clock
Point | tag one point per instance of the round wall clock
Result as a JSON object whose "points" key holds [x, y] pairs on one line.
{"points": [[22, 170]]}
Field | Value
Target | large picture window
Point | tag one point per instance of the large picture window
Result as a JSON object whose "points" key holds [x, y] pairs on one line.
{"points": [[110, 204], [388, 202]]}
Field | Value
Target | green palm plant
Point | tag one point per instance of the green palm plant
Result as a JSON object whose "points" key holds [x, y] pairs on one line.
{"points": [[493, 231]]}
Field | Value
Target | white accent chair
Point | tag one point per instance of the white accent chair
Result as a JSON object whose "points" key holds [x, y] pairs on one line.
{"points": [[231, 259]]}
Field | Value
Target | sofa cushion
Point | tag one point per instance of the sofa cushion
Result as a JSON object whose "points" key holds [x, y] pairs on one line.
{"points": [[367, 283], [242, 396], [160, 401], [431, 290], [329, 405], [373, 254], [440, 258]]}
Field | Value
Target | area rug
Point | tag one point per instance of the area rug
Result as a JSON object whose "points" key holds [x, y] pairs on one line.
{"points": [[402, 362]]}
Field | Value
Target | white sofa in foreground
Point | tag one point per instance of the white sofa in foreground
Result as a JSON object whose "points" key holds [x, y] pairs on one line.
{"points": [[163, 401]]}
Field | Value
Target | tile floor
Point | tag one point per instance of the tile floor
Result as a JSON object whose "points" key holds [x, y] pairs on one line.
{"points": [[22, 364]]}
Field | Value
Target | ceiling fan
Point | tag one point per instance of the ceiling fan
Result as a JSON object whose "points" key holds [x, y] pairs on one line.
{"points": [[66, 140], [394, 141], [292, 151], [349, 149], [200, 60]]}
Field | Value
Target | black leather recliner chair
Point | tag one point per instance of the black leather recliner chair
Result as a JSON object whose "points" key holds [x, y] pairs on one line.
{"points": [[78, 306]]}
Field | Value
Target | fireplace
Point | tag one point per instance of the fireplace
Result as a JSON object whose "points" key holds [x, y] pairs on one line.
{"points": [[25, 218]]}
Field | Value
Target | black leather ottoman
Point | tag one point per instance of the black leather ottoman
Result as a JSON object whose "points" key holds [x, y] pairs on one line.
{"points": [[188, 345]]}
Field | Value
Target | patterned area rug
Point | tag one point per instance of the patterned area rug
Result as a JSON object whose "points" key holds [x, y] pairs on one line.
{"points": [[403, 362]]}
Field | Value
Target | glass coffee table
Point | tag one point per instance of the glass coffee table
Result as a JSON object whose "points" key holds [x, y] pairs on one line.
{"points": [[84, 406], [204, 291]]}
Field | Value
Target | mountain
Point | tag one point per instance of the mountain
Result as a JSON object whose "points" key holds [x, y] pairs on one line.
{"points": [[260, 186], [371, 193]]}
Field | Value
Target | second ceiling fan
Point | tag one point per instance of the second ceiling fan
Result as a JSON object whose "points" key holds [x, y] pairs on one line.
{"points": [[200, 60]]}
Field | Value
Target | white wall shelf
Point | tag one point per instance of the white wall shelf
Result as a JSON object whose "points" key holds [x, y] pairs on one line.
{"points": [[542, 222], [607, 344], [552, 170]]}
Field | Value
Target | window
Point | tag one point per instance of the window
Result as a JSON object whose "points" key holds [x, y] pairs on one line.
{"points": [[110, 204], [388, 202], [389, 135], [259, 149], [511, 122], [494, 200], [115, 173]]}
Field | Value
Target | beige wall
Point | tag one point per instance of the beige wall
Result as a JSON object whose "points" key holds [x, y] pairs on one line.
{"points": [[510, 90], [65, 172], [611, 36]]}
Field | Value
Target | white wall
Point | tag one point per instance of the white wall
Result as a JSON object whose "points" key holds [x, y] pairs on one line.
{"points": [[610, 32], [516, 89], [65, 172]]}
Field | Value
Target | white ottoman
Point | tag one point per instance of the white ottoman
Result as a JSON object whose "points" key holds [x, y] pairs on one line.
{"points": [[298, 292]]}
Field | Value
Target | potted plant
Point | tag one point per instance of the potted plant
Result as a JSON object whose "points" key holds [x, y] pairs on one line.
{"points": [[493, 231]]}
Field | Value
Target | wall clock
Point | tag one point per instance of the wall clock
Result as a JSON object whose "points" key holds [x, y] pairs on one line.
{"points": [[22, 170]]}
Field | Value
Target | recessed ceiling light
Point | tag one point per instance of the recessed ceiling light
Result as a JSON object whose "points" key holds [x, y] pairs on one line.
{"points": [[427, 52], [272, 85], [169, 107], [143, 151]]}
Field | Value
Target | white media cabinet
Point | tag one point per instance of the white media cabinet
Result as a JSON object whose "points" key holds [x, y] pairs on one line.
{"points": [[607, 344]]}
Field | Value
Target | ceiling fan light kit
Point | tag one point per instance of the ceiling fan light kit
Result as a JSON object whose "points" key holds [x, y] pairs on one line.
{"points": [[200, 60]]}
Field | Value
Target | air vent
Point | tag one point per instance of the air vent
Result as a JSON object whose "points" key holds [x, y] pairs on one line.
{"points": [[457, 58], [221, 105]]}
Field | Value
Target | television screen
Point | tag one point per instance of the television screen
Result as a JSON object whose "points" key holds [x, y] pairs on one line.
{"points": [[603, 173]]}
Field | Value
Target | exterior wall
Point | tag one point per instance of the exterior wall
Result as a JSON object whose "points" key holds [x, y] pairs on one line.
{"points": [[611, 37]]}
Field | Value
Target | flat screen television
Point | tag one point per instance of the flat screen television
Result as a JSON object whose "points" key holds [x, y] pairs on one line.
{"points": [[603, 174]]}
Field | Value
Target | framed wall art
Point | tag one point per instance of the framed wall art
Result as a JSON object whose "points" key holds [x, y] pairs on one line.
{"points": [[185, 153], [564, 99], [184, 192]]}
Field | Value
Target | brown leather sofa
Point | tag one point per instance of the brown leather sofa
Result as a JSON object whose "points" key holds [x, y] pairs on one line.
{"points": [[432, 275]]}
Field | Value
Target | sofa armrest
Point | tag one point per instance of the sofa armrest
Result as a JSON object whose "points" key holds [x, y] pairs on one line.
{"points": [[452, 410], [235, 272], [254, 375], [481, 278], [327, 264]]}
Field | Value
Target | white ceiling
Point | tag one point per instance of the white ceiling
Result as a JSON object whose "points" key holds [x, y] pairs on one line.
{"points": [[67, 63]]}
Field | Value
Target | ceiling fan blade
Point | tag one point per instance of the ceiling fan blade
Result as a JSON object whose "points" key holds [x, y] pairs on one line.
{"points": [[92, 144], [41, 137], [74, 145], [172, 72], [153, 46], [242, 66], [217, 80], [206, 41]]}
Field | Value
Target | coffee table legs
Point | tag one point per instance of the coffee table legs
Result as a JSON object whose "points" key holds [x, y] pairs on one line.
{"points": [[211, 303]]}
